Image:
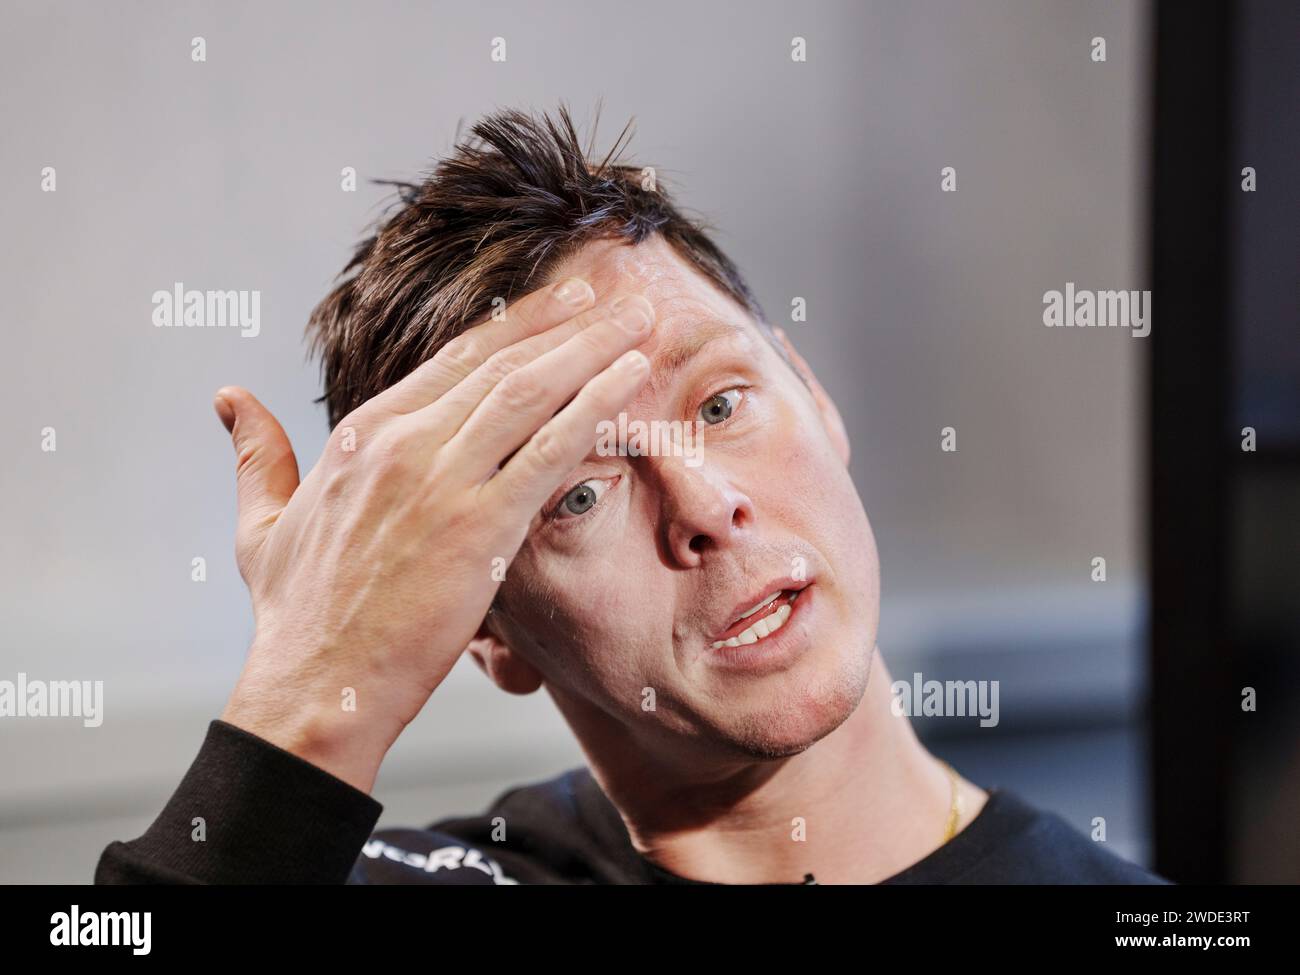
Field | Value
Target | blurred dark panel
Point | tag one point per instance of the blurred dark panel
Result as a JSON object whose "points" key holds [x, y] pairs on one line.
{"points": [[1266, 224], [1264, 803], [1225, 522], [1189, 409], [1264, 622]]}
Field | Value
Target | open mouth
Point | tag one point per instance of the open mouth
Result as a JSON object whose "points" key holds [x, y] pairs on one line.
{"points": [[761, 620]]}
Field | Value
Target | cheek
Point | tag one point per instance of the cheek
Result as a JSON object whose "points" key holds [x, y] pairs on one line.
{"points": [[814, 491], [802, 472], [586, 615]]}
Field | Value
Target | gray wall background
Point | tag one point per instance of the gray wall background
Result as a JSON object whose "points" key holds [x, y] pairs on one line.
{"points": [[823, 177]]}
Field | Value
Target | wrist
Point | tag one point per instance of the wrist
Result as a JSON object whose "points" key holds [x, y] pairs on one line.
{"points": [[335, 740]]}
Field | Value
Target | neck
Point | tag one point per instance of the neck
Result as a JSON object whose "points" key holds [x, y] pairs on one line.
{"points": [[860, 805]]}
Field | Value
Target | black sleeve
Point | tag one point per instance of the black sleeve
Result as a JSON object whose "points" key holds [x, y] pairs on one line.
{"points": [[268, 815]]}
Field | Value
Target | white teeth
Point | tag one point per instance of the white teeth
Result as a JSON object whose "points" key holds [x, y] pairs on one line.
{"points": [[764, 627], [759, 605]]}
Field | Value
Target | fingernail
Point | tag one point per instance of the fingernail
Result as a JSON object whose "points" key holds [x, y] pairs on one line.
{"points": [[633, 312], [633, 361], [574, 291]]}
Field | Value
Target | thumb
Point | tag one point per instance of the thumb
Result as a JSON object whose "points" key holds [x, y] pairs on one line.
{"points": [[266, 472]]}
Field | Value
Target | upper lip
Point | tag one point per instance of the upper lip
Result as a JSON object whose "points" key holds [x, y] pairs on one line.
{"points": [[746, 604]]}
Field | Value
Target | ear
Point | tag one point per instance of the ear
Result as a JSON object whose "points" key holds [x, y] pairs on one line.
{"points": [[831, 418], [505, 668]]}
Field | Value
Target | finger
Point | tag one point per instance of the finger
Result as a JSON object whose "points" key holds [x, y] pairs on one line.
{"points": [[533, 313], [525, 399], [266, 471], [442, 419], [525, 481]]}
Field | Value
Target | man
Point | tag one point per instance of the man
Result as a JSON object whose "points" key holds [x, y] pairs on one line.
{"points": [[705, 619]]}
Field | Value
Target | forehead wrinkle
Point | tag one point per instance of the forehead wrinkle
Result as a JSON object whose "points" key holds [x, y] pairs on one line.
{"points": [[674, 355]]}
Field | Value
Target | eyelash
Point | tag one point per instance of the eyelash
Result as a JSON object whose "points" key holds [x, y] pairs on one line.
{"points": [[555, 515]]}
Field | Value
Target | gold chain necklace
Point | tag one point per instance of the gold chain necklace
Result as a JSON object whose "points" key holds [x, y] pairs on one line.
{"points": [[954, 814], [954, 808], [954, 811]]}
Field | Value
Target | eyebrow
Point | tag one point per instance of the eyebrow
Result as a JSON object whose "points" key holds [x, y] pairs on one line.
{"points": [[674, 357]]}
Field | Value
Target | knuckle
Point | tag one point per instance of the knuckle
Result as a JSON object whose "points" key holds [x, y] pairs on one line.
{"points": [[390, 453], [598, 340], [335, 444], [246, 457], [520, 392], [464, 352], [505, 363], [344, 439], [548, 449], [352, 418]]}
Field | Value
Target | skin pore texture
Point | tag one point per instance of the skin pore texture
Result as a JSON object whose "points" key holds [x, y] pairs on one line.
{"points": [[615, 608]]}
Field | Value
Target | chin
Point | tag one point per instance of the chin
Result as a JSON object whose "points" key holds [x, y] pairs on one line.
{"points": [[797, 713]]}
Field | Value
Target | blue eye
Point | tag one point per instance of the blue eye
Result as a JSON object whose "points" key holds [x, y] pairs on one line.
{"points": [[718, 407], [580, 499]]}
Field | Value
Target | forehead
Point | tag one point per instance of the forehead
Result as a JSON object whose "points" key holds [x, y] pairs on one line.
{"points": [[690, 310]]}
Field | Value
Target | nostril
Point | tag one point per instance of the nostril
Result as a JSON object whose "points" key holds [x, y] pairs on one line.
{"points": [[699, 543]]}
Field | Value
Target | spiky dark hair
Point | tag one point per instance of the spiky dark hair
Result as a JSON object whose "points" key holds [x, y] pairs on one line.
{"points": [[506, 207]]}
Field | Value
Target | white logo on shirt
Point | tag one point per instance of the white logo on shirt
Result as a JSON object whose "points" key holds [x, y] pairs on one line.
{"points": [[443, 858]]}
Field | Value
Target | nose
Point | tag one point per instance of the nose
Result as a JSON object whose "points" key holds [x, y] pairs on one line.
{"points": [[703, 510]]}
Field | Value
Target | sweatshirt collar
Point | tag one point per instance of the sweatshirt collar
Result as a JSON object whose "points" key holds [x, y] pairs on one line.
{"points": [[948, 860]]}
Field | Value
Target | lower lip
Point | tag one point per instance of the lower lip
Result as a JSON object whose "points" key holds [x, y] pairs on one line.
{"points": [[774, 652]]}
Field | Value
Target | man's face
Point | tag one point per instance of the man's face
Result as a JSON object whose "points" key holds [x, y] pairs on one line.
{"points": [[638, 565]]}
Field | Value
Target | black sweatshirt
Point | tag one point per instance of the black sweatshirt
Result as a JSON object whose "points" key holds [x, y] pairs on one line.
{"points": [[271, 817]]}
